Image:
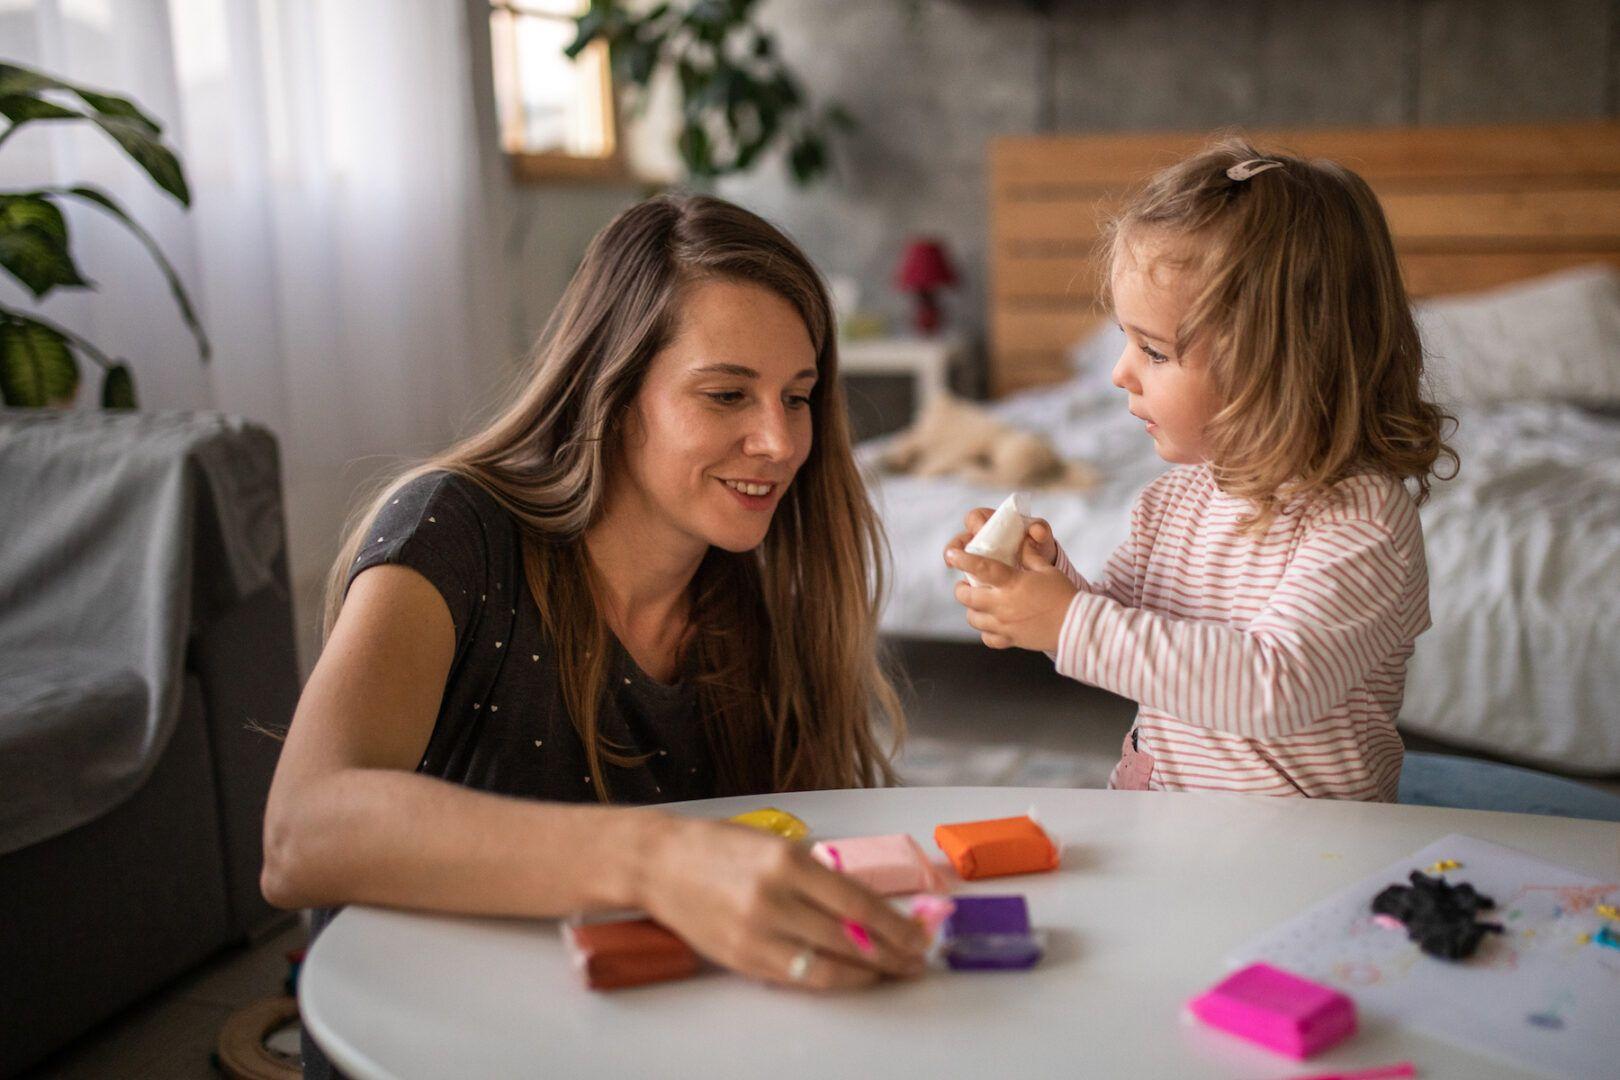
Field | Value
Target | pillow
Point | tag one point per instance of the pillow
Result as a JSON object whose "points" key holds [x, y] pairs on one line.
{"points": [[1554, 338]]}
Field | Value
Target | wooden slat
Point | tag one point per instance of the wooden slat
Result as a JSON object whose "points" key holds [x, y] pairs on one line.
{"points": [[1548, 218], [1016, 329], [1585, 216], [1402, 155], [1030, 368], [1074, 279], [1441, 274]]}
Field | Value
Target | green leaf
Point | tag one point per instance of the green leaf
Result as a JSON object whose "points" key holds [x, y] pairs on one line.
{"points": [[695, 149], [150, 154], [118, 388], [19, 110], [176, 289], [839, 117], [587, 28], [807, 159], [34, 244], [19, 80], [37, 369]]}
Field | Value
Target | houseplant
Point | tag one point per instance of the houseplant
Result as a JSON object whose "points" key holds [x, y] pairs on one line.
{"points": [[38, 364], [738, 99]]}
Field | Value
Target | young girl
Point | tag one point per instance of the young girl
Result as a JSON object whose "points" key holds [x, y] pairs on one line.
{"points": [[1264, 607]]}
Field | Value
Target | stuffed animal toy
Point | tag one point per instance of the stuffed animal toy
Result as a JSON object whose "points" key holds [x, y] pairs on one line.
{"points": [[956, 438]]}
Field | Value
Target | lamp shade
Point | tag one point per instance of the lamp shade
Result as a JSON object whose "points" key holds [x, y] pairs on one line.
{"points": [[924, 266]]}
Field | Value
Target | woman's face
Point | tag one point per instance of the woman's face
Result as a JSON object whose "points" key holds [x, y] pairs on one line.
{"points": [[722, 421]]}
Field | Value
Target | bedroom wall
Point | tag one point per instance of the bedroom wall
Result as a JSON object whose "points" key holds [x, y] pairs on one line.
{"points": [[933, 80]]}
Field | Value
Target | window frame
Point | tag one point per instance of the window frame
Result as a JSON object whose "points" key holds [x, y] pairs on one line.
{"points": [[550, 166]]}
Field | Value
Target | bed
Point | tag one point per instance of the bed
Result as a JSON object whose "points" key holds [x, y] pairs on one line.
{"points": [[1523, 661]]}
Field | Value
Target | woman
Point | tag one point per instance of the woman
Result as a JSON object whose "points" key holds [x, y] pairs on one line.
{"points": [[652, 578]]}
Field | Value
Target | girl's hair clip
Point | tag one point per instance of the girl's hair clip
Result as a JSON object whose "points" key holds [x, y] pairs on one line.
{"points": [[1253, 167]]}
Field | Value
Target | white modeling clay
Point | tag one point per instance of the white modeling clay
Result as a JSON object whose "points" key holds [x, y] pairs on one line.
{"points": [[1002, 537]]}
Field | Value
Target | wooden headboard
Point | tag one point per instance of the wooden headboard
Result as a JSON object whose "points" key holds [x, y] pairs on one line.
{"points": [[1469, 208]]}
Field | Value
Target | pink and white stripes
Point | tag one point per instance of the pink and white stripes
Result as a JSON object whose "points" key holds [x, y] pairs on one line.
{"points": [[1271, 664]]}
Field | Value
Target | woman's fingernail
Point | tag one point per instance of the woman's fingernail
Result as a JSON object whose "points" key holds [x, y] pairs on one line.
{"points": [[950, 556]]}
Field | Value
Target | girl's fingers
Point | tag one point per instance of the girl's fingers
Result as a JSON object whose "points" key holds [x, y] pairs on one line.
{"points": [[986, 570], [996, 641], [984, 623], [976, 518]]}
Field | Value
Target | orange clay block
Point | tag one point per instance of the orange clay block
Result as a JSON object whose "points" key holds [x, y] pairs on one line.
{"points": [[614, 955], [981, 849]]}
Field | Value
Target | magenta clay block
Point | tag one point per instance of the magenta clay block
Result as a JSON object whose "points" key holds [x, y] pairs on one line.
{"points": [[1278, 1010]]}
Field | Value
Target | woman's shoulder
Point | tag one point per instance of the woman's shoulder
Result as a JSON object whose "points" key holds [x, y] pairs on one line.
{"points": [[447, 527], [444, 489]]}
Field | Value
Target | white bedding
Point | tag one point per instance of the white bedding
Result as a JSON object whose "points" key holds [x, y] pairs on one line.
{"points": [[1524, 563]]}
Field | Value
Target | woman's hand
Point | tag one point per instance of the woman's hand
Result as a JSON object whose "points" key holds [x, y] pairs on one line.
{"points": [[1039, 534], [1012, 607], [754, 903]]}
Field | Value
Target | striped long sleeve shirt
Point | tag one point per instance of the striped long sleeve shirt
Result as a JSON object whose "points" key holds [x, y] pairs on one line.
{"points": [[1268, 664]]}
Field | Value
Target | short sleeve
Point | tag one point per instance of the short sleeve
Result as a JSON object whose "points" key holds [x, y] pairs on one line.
{"points": [[433, 525]]}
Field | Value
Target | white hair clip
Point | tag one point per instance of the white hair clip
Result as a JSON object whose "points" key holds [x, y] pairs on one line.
{"points": [[1253, 167]]}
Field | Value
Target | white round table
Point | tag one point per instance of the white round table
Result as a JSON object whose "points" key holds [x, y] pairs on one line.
{"points": [[1154, 890]]}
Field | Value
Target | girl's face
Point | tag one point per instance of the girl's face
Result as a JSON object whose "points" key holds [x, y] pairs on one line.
{"points": [[722, 421], [1171, 393]]}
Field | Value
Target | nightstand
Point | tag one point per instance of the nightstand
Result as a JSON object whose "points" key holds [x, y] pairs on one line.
{"points": [[871, 368]]}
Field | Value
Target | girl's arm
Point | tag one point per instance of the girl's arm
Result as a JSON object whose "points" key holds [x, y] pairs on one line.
{"points": [[1343, 606], [349, 820]]}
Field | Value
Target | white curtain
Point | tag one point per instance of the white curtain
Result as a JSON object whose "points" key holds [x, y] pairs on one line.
{"points": [[337, 246]]}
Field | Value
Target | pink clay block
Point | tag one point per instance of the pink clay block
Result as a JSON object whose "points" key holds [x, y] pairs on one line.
{"points": [[1278, 1010]]}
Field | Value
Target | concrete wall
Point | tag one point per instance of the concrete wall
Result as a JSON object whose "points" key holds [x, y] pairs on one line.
{"points": [[931, 81]]}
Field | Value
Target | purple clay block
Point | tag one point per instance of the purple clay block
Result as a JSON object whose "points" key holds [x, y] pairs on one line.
{"points": [[990, 933], [988, 915]]}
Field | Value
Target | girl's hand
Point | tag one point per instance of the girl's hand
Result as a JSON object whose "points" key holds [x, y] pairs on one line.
{"points": [[1039, 533], [1014, 607], [754, 902]]}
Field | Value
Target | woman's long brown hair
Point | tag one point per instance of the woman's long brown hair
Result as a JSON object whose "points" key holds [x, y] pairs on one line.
{"points": [[784, 641], [1311, 342]]}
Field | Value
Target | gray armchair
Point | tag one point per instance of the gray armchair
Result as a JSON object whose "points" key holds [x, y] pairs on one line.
{"points": [[145, 630]]}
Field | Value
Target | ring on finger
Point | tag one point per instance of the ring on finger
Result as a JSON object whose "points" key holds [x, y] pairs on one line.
{"points": [[799, 966]]}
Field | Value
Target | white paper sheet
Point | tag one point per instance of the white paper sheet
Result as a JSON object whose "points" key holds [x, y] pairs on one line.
{"points": [[1536, 994]]}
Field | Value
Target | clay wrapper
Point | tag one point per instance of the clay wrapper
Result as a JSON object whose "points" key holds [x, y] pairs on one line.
{"points": [[888, 865], [612, 955], [981, 849], [1002, 537]]}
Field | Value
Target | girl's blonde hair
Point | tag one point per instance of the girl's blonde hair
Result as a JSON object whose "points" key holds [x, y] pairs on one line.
{"points": [[785, 636], [1312, 347]]}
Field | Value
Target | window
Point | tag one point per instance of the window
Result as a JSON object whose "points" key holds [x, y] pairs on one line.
{"points": [[557, 115]]}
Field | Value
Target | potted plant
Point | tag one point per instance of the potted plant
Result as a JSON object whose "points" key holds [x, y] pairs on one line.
{"points": [[738, 100], [38, 365]]}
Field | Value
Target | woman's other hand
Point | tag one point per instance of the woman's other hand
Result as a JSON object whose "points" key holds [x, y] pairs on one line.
{"points": [[755, 903]]}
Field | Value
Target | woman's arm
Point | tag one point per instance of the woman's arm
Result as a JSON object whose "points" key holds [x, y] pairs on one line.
{"points": [[349, 820]]}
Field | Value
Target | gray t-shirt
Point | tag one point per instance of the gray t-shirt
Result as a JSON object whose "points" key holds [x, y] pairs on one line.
{"points": [[503, 726]]}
